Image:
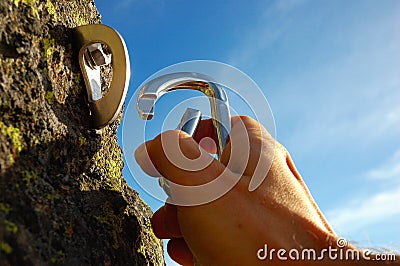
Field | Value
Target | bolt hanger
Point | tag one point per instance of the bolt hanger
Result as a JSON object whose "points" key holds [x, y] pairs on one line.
{"points": [[99, 45]]}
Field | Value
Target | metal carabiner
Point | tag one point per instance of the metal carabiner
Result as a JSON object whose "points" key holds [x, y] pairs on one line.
{"points": [[88, 41], [150, 92]]}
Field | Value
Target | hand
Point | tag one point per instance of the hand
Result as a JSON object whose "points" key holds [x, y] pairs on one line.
{"points": [[230, 230]]}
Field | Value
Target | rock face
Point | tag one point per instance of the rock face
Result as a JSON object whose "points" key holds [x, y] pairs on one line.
{"points": [[63, 199]]}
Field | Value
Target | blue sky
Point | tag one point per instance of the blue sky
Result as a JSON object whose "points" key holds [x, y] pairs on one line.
{"points": [[331, 73]]}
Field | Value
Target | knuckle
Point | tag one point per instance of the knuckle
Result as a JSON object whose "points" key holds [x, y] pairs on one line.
{"points": [[166, 136], [281, 150], [169, 140], [246, 119]]}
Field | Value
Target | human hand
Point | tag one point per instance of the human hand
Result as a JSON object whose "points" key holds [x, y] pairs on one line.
{"points": [[231, 230]]}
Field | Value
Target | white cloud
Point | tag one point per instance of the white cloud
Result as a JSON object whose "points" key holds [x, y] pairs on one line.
{"points": [[361, 213], [345, 91], [269, 27], [389, 170], [368, 124]]}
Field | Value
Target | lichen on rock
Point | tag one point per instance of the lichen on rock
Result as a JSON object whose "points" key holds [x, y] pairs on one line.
{"points": [[63, 198]]}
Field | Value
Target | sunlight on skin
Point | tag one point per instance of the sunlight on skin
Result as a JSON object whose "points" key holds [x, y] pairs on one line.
{"points": [[280, 213]]}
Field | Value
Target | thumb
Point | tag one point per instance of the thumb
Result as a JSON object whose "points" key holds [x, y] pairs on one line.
{"points": [[179, 158], [194, 176]]}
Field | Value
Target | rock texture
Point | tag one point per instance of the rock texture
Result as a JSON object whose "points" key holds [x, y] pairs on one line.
{"points": [[63, 199]]}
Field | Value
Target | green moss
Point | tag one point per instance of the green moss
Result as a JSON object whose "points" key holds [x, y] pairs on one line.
{"points": [[29, 176], [5, 208], [114, 177], [12, 133], [48, 44], [142, 249], [11, 159], [49, 97], [77, 82], [151, 237], [82, 140], [110, 167], [51, 9], [80, 18], [110, 218], [10, 226], [58, 258], [31, 4], [53, 196], [5, 247]]}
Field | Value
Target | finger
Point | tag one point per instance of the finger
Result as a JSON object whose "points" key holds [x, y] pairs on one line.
{"points": [[143, 159], [165, 222], [184, 162], [179, 158], [206, 136], [250, 150], [179, 251], [205, 129], [209, 145]]}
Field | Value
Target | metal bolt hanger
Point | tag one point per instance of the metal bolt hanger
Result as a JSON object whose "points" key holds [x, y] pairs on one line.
{"points": [[88, 40]]}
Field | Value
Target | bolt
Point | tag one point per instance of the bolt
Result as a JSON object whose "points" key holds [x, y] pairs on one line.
{"points": [[95, 56]]}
